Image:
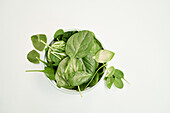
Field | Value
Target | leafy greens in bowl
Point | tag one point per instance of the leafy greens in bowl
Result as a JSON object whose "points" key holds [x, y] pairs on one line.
{"points": [[75, 60]]}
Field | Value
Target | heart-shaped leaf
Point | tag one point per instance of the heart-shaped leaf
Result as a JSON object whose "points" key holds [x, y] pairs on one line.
{"points": [[36, 41], [103, 56], [32, 57]]}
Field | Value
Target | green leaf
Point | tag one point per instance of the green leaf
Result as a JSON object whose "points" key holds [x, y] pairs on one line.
{"points": [[49, 72], [95, 48], [79, 77], [56, 52], [32, 57], [118, 83], [79, 44], [61, 82], [61, 67], [118, 74], [67, 35], [90, 64], [110, 71], [58, 33], [103, 56], [109, 82], [36, 41], [75, 65]]}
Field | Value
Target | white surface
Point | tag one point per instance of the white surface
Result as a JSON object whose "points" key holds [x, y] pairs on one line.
{"points": [[136, 30]]}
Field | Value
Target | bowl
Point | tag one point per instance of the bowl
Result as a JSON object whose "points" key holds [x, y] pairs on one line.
{"points": [[71, 91]]}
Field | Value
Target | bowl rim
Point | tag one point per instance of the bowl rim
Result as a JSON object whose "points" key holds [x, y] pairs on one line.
{"points": [[69, 91]]}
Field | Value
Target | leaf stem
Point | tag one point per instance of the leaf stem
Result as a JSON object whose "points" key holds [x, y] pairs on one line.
{"points": [[95, 74], [46, 45], [68, 65], [34, 71], [80, 92], [42, 61], [126, 81]]}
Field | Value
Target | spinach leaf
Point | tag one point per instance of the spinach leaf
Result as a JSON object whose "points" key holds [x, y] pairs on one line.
{"points": [[61, 82], [118, 74], [110, 72], [58, 33], [36, 41], [118, 83], [49, 72], [90, 64], [109, 81], [75, 65], [67, 35], [61, 67], [79, 44], [103, 56], [79, 77], [56, 52], [95, 48], [32, 57]]}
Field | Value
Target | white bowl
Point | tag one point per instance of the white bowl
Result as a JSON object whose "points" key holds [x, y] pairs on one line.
{"points": [[70, 91]]}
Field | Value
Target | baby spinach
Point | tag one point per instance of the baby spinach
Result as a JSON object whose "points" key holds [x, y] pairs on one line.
{"points": [[103, 56], [79, 44], [58, 33], [109, 81], [118, 83], [32, 57], [110, 71], [36, 41], [90, 64], [75, 60], [79, 77], [95, 48]]}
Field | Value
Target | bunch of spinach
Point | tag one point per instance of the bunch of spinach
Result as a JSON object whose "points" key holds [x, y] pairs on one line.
{"points": [[76, 60]]}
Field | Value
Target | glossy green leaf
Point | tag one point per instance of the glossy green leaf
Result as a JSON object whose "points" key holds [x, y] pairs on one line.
{"points": [[109, 82], [103, 56], [79, 77], [90, 64], [32, 57], [49, 72], [118, 73], [95, 48], [110, 71], [36, 41], [118, 83], [58, 33], [56, 52], [79, 44]]}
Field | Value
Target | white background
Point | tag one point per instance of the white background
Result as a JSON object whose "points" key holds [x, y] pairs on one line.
{"points": [[138, 31]]}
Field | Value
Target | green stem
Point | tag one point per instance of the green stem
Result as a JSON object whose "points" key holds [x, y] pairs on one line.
{"points": [[34, 71], [95, 74], [126, 81], [80, 92], [42, 61], [46, 45], [68, 65]]}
